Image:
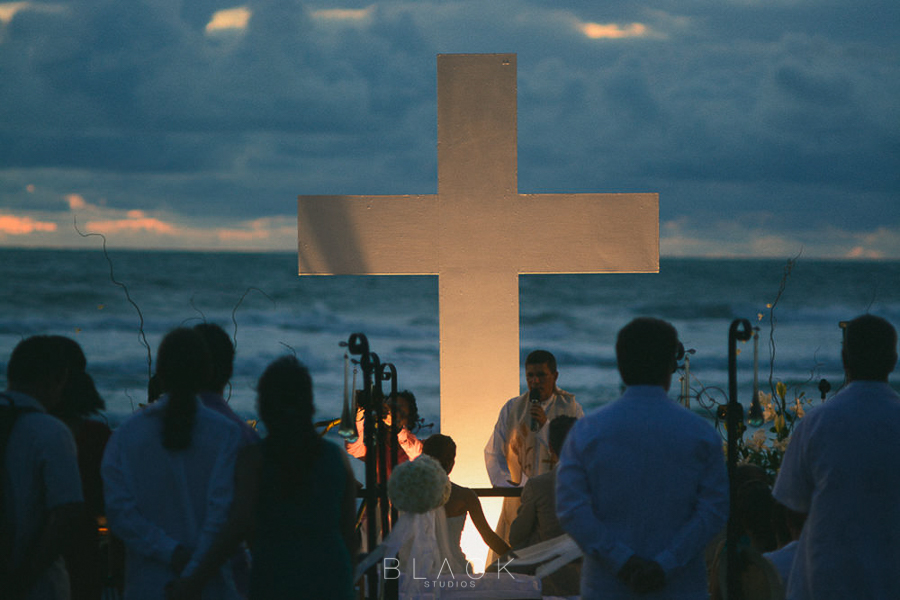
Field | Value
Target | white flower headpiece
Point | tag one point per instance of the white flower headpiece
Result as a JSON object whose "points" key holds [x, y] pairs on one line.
{"points": [[419, 486]]}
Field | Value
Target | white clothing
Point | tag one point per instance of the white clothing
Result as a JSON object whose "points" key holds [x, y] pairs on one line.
{"points": [[782, 559], [419, 551], [497, 450], [642, 475], [842, 468], [455, 527], [157, 499], [40, 473], [513, 441]]}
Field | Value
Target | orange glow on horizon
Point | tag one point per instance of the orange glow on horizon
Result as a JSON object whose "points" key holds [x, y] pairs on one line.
{"points": [[12, 225], [135, 222]]}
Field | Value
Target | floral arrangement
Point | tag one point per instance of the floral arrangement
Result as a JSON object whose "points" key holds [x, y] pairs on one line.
{"points": [[419, 486], [766, 446]]}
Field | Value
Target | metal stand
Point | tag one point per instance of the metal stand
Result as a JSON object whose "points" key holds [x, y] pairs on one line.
{"points": [[740, 330], [371, 401]]}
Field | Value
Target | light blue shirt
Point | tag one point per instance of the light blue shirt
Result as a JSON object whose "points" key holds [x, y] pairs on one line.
{"points": [[642, 475], [40, 473], [842, 467], [157, 499]]}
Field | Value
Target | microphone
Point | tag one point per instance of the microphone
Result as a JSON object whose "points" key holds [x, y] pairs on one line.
{"points": [[535, 398]]}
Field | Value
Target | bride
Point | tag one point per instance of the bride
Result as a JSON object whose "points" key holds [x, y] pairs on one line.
{"points": [[420, 551], [463, 501]]}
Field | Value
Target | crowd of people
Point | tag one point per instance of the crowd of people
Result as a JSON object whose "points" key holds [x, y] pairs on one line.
{"points": [[200, 506]]}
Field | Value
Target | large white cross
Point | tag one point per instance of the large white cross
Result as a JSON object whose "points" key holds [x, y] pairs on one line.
{"points": [[477, 235]]}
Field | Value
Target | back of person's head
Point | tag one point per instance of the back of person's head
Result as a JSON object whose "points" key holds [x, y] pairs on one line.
{"points": [[154, 389], [182, 365], [757, 514], [80, 397], [541, 357], [221, 350], [285, 404], [559, 429], [646, 351], [37, 366], [285, 395], [442, 448], [870, 348]]}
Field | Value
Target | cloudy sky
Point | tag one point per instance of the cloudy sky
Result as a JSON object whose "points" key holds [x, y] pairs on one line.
{"points": [[767, 126]]}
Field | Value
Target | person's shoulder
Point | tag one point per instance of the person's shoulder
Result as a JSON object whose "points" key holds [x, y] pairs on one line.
{"points": [[542, 481], [217, 420], [465, 494], [509, 403], [565, 396], [40, 424]]}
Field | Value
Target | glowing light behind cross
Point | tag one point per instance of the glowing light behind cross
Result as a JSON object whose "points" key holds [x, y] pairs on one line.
{"points": [[477, 234]]}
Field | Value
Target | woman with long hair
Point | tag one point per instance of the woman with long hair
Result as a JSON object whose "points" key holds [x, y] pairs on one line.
{"points": [[304, 540], [79, 402], [298, 502], [168, 474]]}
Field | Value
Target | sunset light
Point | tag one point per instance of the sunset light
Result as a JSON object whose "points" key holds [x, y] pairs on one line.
{"points": [[230, 18], [613, 31]]}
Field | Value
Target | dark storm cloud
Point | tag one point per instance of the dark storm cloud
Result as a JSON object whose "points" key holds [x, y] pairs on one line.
{"points": [[724, 108]]}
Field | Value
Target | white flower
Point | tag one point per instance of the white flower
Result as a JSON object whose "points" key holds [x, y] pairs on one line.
{"points": [[758, 440], [419, 486]]}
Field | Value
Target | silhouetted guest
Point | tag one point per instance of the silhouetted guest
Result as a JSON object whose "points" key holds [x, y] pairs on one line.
{"points": [[783, 558], [86, 565], [168, 475], [536, 520], [641, 482], [41, 502], [212, 395], [304, 543], [756, 513], [300, 509], [842, 469], [212, 392]]}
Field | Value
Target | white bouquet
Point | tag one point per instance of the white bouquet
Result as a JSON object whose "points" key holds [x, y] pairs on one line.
{"points": [[419, 486]]}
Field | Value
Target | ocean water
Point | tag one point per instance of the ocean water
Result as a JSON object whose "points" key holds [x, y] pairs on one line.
{"points": [[270, 311]]}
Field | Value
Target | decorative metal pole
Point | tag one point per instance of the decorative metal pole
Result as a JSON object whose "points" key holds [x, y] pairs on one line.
{"points": [[755, 418], [358, 344], [740, 330], [388, 512]]}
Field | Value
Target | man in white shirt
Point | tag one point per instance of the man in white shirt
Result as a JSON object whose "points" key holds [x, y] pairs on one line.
{"points": [[842, 469], [519, 447], [641, 483]]}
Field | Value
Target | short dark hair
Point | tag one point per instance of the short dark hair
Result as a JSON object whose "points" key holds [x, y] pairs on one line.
{"points": [[645, 351], [541, 357], [559, 429], [35, 360], [440, 447], [870, 348]]}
